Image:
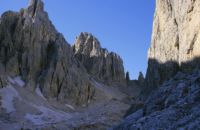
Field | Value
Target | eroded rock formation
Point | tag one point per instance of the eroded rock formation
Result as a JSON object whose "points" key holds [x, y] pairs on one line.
{"points": [[31, 47], [174, 63], [97, 60], [175, 40]]}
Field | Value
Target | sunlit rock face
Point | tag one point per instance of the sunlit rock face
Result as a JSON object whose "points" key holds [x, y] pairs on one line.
{"points": [[31, 47], [97, 60], [175, 47], [175, 39]]}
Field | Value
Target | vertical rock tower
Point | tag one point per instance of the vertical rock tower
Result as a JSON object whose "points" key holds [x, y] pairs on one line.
{"points": [[175, 40]]}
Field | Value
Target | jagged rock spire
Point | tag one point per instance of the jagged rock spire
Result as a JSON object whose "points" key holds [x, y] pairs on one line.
{"points": [[35, 3], [35, 6], [97, 60], [32, 48], [88, 44]]}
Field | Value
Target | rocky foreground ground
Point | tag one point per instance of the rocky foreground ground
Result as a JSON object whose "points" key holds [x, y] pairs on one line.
{"points": [[175, 105], [47, 84], [22, 108]]}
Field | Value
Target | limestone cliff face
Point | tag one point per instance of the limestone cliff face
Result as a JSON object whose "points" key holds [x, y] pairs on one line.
{"points": [[98, 61], [175, 39], [31, 47]]}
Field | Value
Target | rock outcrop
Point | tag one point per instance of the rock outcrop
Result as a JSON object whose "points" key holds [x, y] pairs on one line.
{"points": [[174, 105], [31, 47], [141, 79], [98, 61], [175, 40]]}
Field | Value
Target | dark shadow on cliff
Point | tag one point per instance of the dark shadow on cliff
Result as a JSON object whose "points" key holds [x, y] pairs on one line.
{"points": [[158, 73], [108, 70]]}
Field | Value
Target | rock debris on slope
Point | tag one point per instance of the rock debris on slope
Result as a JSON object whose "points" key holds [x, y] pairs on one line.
{"points": [[174, 105]]}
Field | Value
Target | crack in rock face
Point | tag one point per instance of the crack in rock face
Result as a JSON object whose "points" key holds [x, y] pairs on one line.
{"points": [[32, 48], [176, 42]]}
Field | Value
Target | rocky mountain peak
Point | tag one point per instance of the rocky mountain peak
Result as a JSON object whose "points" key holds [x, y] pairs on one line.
{"points": [[141, 79], [31, 47], [89, 45], [35, 6], [97, 60], [45, 81], [35, 13]]}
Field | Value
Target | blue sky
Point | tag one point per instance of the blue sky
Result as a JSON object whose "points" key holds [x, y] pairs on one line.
{"points": [[122, 26]]}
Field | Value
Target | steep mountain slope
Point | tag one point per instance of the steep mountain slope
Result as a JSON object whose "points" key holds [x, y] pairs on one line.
{"points": [[43, 85], [172, 80], [31, 47], [98, 61], [174, 105], [175, 40]]}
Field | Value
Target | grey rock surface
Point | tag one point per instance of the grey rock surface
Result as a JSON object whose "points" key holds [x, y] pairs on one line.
{"points": [[44, 84], [97, 60], [173, 74], [31, 47], [141, 79], [174, 105], [175, 40]]}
